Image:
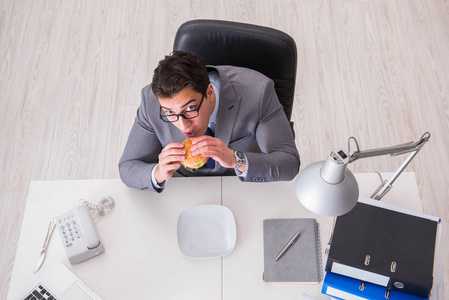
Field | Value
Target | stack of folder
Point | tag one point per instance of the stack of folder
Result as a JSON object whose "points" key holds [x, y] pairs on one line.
{"points": [[379, 251], [343, 287]]}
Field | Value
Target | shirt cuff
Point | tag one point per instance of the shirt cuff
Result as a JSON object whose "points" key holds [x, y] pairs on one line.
{"points": [[153, 180]]}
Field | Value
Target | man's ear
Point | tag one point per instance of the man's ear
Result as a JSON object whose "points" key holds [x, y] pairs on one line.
{"points": [[210, 92]]}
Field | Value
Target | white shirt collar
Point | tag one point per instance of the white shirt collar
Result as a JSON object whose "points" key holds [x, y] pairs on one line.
{"points": [[215, 81]]}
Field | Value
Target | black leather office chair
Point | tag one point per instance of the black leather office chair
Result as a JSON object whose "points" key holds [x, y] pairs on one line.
{"points": [[267, 50]]}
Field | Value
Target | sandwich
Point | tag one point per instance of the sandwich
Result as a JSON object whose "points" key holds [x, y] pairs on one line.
{"points": [[192, 162]]}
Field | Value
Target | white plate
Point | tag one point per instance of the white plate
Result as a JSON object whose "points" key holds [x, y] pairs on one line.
{"points": [[206, 231]]}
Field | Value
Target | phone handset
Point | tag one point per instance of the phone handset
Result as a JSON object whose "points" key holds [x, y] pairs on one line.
{"points": [[79, 235], [87, 227]]}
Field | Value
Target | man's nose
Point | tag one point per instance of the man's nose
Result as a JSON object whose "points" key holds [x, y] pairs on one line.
{"points": [[183, 123]]}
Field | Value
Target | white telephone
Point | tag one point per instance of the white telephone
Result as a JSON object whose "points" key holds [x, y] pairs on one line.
{"points": [[79, 235]]}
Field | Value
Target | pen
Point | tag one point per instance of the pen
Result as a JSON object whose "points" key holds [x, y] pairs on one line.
{"points": [[286, 247]]}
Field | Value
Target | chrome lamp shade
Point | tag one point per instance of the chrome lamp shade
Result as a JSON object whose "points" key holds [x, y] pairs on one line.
{"points": [[323, 197]]}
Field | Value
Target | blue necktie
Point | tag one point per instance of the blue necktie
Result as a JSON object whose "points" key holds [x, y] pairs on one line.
{"points": [[210, 164]]}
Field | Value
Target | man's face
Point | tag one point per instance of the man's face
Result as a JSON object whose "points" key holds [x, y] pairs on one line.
{"points": [[187, 100]]}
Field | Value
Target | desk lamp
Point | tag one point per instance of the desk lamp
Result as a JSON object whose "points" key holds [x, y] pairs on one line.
{"points": [[329, 188]]}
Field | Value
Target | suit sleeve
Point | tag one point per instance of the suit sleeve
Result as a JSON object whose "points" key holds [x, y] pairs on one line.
{"points": [[141, 151], [279, 157]]}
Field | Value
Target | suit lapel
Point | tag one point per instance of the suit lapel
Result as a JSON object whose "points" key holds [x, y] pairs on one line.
{"points": [[227, 110], [173, 135]]}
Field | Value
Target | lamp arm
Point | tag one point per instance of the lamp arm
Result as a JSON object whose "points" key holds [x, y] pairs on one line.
{"points": [[387, 185], [392, 151]]}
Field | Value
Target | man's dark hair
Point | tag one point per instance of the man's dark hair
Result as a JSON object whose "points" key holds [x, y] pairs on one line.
{"points": [[178, 71]]}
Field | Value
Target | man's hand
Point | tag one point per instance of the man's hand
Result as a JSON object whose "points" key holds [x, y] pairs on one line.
{"points": [[216, 149], [169, 161]]}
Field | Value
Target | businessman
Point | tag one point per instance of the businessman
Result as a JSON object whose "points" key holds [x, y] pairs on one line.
{"points": [[234, 113]]}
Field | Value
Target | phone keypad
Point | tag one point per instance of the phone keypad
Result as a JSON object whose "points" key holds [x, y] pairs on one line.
{"points": [[69, 229]]}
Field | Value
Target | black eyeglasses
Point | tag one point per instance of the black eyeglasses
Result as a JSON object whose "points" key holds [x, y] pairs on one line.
{"points": [[190, 114]]}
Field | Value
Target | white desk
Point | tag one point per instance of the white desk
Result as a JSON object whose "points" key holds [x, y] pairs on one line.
{"points": [[139, 235], [252, 203]]}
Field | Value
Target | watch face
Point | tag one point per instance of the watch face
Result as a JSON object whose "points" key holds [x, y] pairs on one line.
{"points": [[240, 154]]}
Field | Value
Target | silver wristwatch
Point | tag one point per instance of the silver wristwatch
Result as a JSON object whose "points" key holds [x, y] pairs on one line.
{"points": [[240, 157]]}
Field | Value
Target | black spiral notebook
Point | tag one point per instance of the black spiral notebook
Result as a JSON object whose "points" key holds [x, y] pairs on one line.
{"points": [[302, 261]]}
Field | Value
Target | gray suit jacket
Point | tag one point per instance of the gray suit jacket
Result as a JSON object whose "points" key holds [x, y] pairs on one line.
{"points": [[250, 118]]}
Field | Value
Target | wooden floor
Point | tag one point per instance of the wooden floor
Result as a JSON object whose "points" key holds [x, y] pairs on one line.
{"points": [[71, 74]]}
